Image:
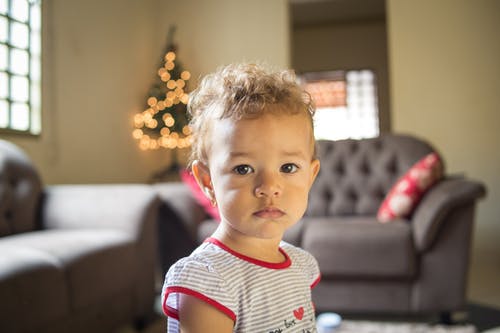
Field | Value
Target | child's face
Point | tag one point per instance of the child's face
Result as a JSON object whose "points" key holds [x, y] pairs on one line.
{"points": [[261, 171]]}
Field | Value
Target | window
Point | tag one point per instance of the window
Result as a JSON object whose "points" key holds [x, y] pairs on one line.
{"points": [[346, 104], [20, 66]]}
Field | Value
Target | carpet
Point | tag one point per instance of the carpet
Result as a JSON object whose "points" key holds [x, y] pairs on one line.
{"points": [[359, 326]]}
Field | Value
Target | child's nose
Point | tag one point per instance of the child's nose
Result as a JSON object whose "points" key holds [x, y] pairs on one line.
{"points": [[268, 186]]}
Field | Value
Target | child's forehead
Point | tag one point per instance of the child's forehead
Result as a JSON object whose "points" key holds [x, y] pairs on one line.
{"points": [[258, 140], [261, 114], [276, 120], [279, 129], [283, 129]]}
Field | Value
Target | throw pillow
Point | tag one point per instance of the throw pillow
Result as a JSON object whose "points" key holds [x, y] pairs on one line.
{"points": [[188, 179], [409, 189]]}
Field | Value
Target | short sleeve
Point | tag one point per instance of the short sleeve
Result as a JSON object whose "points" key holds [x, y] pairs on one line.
{"points": [[305, 262], [192, 276], [315, 274]]}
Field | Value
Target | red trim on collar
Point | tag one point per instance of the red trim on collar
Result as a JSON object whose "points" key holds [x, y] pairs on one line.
{"points": [[272, 265]]}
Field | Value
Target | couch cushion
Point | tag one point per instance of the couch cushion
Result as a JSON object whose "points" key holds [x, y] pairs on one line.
{"points": [[33, 288], [360, 247], [405, 195], [97, 263]]}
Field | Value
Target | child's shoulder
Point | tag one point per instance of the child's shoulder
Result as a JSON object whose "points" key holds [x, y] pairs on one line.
{"points": [[204, 259], [298, 255], [292, 249], [197, 274]]}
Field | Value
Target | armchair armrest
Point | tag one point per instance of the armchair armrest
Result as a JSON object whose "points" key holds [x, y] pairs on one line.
{"points": [[126, 207], [180, 216], [441, 199], [179, 200]]}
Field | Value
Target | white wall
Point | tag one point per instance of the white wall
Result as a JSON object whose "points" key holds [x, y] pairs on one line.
{"points": [[445, 86], [96, 72], [217, 32], [99, 59]]}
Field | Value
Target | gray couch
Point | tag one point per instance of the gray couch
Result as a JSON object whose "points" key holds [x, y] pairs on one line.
{"points": [[73, 258], [409, 266]]}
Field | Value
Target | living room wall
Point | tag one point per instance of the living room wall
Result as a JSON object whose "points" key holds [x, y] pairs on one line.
{"points": [[445, 79], [96, 72], [99, 59], [216, 32]]}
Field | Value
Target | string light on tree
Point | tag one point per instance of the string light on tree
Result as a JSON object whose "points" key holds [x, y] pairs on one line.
{"points": [[164, 122]]}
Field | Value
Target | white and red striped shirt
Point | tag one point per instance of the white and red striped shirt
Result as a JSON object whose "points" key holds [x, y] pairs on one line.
{"points": [[259, 296]]}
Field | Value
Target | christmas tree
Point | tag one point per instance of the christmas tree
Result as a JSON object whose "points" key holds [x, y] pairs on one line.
{"points": [[164, 121]]}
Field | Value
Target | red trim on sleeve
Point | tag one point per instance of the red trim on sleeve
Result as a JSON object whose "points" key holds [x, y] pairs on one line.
{"points": [[315, 283], [170, 311], [272, 265], [174, 313]]}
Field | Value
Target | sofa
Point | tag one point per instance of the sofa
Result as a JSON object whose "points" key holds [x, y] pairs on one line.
{"points": [[416, 264], [73, 258]]}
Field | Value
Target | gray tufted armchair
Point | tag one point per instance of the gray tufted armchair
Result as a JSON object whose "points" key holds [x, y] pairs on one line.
{"points": [[73, 258], [416, 265], [409, 266]]}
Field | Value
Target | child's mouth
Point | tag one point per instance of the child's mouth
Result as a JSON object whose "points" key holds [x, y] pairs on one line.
{"points": [[269, 213]]}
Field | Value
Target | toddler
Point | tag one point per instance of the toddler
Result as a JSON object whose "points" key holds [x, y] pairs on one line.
{"points": [[254, 157]]}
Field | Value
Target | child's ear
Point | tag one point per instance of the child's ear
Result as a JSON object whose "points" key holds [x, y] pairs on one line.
{"points": [[315, 166], [201, 173]]}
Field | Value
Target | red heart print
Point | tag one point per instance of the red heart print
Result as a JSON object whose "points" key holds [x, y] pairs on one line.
{"points": [[299, 313]]}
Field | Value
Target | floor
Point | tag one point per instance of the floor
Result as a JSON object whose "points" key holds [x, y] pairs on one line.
{"points": [[484, 274], [485, 318]]}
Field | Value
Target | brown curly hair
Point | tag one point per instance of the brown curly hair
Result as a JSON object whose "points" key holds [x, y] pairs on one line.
{"points": [[241, 91]]}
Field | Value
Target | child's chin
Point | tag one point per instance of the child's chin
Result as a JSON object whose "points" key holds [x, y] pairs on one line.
{"points": [[271, 230]]}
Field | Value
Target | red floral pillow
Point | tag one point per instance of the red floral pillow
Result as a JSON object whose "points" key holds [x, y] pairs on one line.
{"points": [[409, 189], [188, 179]]}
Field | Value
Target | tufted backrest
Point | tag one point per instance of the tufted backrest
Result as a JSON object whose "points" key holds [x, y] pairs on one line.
{"points": [[20, 190], [356, 175]]}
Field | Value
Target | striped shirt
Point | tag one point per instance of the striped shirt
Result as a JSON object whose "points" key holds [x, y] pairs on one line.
{"points": [[258, 296]]}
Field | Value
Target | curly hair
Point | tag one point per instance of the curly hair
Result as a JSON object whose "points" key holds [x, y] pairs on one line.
{"points": [[240, 91]]}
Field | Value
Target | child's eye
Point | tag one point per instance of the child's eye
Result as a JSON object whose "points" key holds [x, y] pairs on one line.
{"points": [[289, 168], [243, 169]]}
